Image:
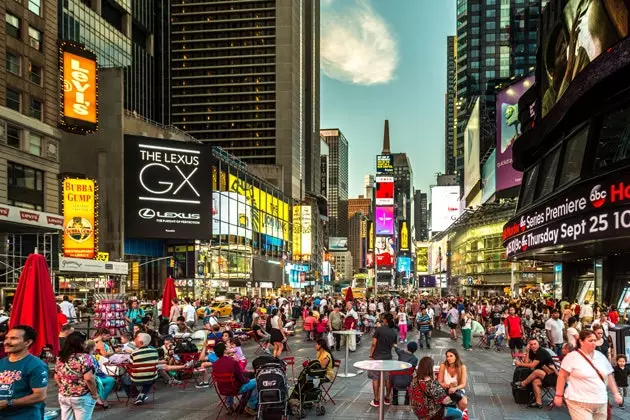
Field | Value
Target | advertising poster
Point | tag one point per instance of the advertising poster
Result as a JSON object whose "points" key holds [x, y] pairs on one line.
{"points": [[370, 236], [488, 177], [403, 236], [384, 220], [438, 257], [384, 164], [79, 90], [422, 260], [403, 266], [297, 232], [306, 246], [471, 150], [583, 32], [79, 204], [445, 207], [231, 215], [385, 248], [384, 191], [508, 129], [337, 243], [168, 189]]}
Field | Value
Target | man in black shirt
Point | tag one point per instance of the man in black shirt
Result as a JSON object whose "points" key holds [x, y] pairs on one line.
{"points": [[495, 316], [544, 370], [385, 338]]}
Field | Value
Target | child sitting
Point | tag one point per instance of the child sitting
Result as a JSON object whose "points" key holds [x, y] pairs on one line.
{"points": [[398, 382], [234, 349]]}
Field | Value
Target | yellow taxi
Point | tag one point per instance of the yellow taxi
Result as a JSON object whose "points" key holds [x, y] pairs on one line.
{"points": [[223, 308]]}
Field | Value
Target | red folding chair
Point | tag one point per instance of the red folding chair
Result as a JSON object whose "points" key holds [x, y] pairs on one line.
{"points": [[144, 368], [225, 386], [290, 361], [261, 345], [187, 374], [407, 372], [327, 396], [285, 346]]}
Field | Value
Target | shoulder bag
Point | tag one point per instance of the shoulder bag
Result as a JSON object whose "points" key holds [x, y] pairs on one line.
{"points": [[608, 405]]}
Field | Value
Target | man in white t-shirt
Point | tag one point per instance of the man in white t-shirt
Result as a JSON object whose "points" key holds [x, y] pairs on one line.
{"points": [[555, 331], [604, 322], [189, 313], [586, 313], [67, 308]]}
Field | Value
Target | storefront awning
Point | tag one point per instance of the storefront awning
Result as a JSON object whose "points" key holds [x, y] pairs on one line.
{"points": [[18, 220]]}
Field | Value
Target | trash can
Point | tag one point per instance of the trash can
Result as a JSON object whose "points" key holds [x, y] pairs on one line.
{"points": [[620, 335]]}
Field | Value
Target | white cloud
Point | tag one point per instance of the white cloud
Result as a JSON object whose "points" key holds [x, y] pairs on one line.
{"points": [[357, 46]]}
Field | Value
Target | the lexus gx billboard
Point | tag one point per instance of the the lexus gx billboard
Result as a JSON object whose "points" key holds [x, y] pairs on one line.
{"points": [[168, 189]]}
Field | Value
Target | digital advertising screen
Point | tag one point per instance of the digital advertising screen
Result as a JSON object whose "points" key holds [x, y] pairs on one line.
{"points": [[231, 215], [508, 129], [471, 150], [384, 164], [444, 207], [384, 220], [582, 32], [422, 260], [168, 189], [385, 251], [384, 191], [489, 177], [79, 88], [403, 265]]}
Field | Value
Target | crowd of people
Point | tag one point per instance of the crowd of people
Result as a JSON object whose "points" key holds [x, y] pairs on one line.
{"points": [[562, 345]]}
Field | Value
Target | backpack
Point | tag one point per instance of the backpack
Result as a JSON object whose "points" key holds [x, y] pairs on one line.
{"points": [[185, 346]]}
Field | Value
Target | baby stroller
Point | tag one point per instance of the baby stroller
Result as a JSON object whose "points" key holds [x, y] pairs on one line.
{"points": [[307, 392], [272, 387]]}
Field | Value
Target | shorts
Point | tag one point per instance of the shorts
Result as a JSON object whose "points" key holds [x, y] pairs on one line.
{"points": [[515, 343], [550, 380], [452, 326], [375, 375], [212, 357]]}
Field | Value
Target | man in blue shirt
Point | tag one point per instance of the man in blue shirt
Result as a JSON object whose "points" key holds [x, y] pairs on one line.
{"points": [[23, 377], [423, 321]]}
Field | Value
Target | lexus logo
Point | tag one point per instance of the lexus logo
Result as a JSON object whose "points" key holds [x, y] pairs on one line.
{"points": [[147, 213]]}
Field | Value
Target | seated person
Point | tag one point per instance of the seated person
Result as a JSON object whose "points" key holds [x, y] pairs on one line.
{"points": [[477, 329], [325, 358], [215, 335], [544, 370], [179, 329], [170, 363], [398, 382], [226, 364], [262, 336], [497, 334], [207, 357], [234, 349], [142, 374], [128, 345]]}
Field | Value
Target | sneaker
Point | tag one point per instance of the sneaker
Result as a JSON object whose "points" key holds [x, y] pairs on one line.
{"points": [[139, 399], [201, 385], [517, 385], [374, 403], [386, 401], [250, 411], [395, 402], [175, 382], [189, 364], [534, 405], [144, 398]]}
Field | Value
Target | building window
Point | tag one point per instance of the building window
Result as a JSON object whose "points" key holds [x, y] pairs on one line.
{"points": [[13, 63], [25, 186], [573, 157], [528, 186], [491, 37], [490, 62], [490, 74], [13, 25], [614, 139], [548, 173], [35, 38], [34, 144], [13, 99], [491, 49], [35, 6], [35, 109], [35, 74], [491, 13], [13, 136], [491, 26]]}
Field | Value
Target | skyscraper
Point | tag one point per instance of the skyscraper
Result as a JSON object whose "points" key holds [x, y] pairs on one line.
{"points": [[337, 181], [245, 77], [403, 187], [451, 105], [121, 33], [420, 218], [359, 210], [495, 41]]}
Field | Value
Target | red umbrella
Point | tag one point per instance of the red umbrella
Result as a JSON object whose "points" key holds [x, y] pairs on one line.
{"points": [[34, 305], [167, 297], [349, 296]]}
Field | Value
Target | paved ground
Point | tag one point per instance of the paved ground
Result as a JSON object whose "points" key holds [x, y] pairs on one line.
{"points": [[489, 391]]}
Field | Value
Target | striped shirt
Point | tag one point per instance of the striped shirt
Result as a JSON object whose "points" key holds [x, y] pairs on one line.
{"points": [[144, 365], [423, 318]]}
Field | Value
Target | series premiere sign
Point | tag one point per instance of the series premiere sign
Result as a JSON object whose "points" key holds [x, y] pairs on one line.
{"points": [[168, 189], [79, 207], [79, 89]]}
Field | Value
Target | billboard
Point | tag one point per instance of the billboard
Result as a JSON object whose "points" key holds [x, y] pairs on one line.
{"points": [[472, 171], [370, 236], [270, 214], [488, 177], [384, 164], [508, 129], [384, 251], [79, 202], [444, 207], [168, 189], [403, 236], [384, 191], [438, 256], [384, 220], [574, 39], [403, 265], [231, 215], [78, 94], [422, 260], [336, 243], [302, 229]]}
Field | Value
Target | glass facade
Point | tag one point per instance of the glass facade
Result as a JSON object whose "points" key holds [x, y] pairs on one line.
{"points": [[337, 184]]}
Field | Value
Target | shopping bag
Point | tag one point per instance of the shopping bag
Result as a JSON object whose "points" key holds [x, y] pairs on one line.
{"points": [[330, 339]]}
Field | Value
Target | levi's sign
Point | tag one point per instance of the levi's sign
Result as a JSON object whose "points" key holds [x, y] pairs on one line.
{"points": [[593, 210], [79, 89], [168, 189]]}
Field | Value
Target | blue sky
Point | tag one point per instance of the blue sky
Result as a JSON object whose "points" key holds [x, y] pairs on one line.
{"points": [[386, 59]]}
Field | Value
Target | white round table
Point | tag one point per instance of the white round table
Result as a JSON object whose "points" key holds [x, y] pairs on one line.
{"points": [[382, 366], [347, 333]]}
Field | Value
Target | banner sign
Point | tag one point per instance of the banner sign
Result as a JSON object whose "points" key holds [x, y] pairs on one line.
{"points": [[79, 203], [78, 72], [403, 236], [384, 164], [597, 209], [168, 189]]}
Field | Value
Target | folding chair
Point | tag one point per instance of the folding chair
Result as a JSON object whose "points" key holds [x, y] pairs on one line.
{"points": [[285, 346], [225, 386], [141, 368], [326, 394], [188, 373], [407, 372], [261, 345], [482, 343], [290, 361]]}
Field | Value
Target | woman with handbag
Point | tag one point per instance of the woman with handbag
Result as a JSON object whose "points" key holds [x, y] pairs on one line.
{"points": [[429, 400], [587, 373]]}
